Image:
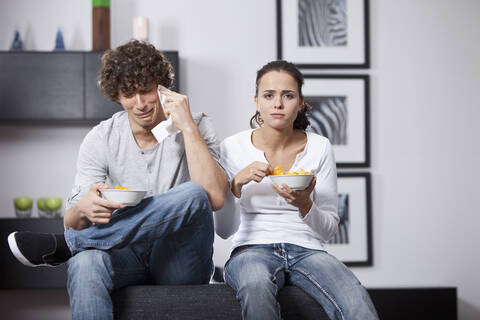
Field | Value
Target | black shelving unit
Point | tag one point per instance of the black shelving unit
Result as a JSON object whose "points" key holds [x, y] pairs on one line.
{"points": [[57, 86]]}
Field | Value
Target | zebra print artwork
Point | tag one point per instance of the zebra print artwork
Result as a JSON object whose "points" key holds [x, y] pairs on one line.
{"points": [[322, 23], [329, 118], [341, 237]]}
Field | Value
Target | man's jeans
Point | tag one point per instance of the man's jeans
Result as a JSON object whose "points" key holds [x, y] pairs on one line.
{"points": [[258, 272], [166, 239]]}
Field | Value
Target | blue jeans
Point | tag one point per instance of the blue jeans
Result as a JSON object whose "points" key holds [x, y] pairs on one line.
{"points": [[258, 272], [166, 239]]}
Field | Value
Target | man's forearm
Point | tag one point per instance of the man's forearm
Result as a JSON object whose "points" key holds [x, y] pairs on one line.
{"points": [[203, 169], [73, 219]]}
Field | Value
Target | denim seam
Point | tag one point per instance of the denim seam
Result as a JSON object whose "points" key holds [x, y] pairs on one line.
{"points": [[226, 273], [321, 289], [277, 289], [166, 220], [275, 279], [100, 245]]}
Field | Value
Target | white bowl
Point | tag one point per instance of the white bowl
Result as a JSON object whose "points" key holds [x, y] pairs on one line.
{"points": [[294, 181], [125, 197]]}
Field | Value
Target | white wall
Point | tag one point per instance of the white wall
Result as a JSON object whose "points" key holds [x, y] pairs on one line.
{"points": [[424, 117]]}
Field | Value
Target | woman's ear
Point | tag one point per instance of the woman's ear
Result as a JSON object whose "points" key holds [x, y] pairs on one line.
{"points": [[255, 98]]}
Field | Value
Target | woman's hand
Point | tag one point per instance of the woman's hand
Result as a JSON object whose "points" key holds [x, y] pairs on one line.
{"points": [[177, 106], [298, 198], [255, 171], [96, 209]]}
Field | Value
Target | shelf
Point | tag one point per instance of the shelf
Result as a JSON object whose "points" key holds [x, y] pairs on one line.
{"points": [[56, 86]]}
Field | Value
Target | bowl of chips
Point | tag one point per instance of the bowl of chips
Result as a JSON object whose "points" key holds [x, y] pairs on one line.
{"points": [[296, 180], [125, 196]]}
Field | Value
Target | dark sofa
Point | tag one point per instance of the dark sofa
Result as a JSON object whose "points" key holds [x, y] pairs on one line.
{"points": [[213, 301], [217, 301]]}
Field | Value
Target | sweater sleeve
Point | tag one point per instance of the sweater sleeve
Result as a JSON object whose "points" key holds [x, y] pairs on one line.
{"points": [[323, 217], [91, 166], [207, 131]]}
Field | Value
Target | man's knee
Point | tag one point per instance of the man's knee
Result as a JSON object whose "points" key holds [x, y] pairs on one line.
{"points": [[195, 192], [193, 195], [89, 265]]}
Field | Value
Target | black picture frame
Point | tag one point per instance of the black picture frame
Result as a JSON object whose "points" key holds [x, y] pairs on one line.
{"points": [[352, 122], [355, 249], [355, 55]]}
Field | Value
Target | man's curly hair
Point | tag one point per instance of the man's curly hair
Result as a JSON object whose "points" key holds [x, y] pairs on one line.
{"points": [[133, 66]]}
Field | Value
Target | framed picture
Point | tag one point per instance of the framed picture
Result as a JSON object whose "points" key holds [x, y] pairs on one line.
{"points": [[352, 244], [323, 33], [340, 112]]}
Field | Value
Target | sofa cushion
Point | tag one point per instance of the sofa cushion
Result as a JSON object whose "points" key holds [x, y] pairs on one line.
{"points": [[213, 301]]}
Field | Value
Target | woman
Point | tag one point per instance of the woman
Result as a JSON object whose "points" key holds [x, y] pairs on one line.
{"points": [[279, 232]]}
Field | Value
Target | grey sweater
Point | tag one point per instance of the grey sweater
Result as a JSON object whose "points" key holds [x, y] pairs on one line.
{"points": [[110, 154]]}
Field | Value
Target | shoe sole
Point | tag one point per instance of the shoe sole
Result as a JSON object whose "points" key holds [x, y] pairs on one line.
{"points": [[12, 243]]}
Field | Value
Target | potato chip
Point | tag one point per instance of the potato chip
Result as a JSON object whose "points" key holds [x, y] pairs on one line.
{"points": [[117, 187], [278, 171]]}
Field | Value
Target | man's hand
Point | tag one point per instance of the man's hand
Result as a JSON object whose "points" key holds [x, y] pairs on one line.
{"points": [[298, 198], [255, 171], [96, 209], [178, 107]]}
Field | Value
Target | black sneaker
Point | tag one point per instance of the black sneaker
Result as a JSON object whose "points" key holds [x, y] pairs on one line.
{"points": [[35, 249]]}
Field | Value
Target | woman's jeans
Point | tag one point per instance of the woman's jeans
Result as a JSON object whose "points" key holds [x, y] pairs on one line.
{"points": [[258, 272], [166, 239]]}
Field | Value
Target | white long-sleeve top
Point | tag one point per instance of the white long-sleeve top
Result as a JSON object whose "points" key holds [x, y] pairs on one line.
{"points": [[261, 216]]}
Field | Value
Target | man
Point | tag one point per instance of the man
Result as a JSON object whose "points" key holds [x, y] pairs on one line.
{"points": [[168, 237]]}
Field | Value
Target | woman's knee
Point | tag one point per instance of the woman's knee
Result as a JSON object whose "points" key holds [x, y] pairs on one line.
{"points": [[341, 289], [356, 302]]}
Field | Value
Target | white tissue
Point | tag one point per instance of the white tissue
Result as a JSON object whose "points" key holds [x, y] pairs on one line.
{"points": [[166, 127]]}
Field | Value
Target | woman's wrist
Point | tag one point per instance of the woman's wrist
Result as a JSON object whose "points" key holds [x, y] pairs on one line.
{"points": [[305, 208]]}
